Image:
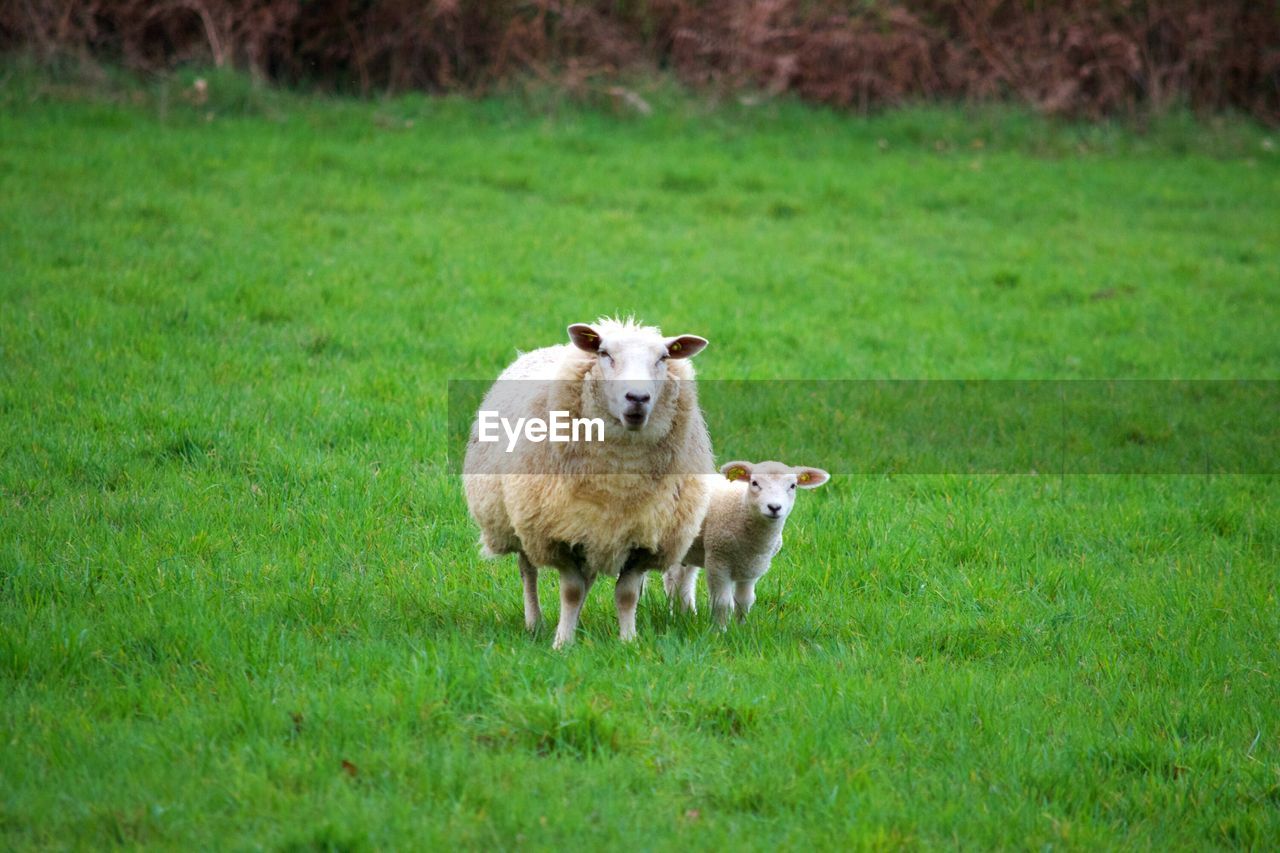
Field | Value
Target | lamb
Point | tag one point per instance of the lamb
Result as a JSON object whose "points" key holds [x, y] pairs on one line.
{"points": [[629, 504], [741, 535]]}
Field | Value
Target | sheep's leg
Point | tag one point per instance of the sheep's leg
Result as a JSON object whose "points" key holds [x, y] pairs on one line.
{"points": [[574, 586], [671, 585], [688, 589], [532, 610], [679, 583], [720, 590], [744, 595], [626, 595]]}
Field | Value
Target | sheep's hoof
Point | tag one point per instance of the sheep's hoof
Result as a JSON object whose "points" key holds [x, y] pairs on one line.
{"points": [[628, 636], [562, 642]]}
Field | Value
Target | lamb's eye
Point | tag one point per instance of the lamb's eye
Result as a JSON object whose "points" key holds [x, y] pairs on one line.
{"points": [[604, 354], [793, 485], [754, 484]]}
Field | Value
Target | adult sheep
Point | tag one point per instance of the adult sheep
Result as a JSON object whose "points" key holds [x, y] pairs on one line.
{"points": [[630, 503]]}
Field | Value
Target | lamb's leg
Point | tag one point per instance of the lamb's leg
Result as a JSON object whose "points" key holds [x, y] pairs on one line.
{"points": [[720, 590], [626, 595], [529, 576], [573, 591], [744, 595]]}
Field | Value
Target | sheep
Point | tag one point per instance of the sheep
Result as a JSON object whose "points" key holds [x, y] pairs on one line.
{"points": [[623, 506], [741, 535]]}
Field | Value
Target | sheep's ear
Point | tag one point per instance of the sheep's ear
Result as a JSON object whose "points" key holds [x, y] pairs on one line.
{"points": [[811, 478], [584, 337], [685, 346], [736, 470]]}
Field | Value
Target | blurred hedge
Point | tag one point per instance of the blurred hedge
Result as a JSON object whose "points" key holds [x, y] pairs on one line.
{"points": [[1061, 56]]}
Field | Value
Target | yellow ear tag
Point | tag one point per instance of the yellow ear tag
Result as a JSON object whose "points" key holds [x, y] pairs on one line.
{"points": [[804, 478], [675, 347], [735, 473]]}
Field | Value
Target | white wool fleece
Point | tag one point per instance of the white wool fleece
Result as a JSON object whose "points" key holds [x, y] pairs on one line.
{"points": [[619, 507]]}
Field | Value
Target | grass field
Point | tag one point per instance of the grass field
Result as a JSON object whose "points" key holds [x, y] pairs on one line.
{"points": [[241, 603]]}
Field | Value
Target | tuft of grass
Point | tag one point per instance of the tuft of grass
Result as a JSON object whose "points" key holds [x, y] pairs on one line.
{"points": [[241, 603]]}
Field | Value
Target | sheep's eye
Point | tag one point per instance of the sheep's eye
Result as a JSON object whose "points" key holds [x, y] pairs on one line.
{"points": [[754, 484], [793, 485], [604, 354]]}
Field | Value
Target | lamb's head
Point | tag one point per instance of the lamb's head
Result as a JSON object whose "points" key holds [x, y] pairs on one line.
{"points": [[771, 486], [632, 364]]}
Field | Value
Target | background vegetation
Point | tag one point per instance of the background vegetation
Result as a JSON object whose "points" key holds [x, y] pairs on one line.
{"points": [[241, 603], [1078, 57]]}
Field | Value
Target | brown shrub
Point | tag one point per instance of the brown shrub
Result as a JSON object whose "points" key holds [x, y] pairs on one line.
{"points": [[1073, 57]]}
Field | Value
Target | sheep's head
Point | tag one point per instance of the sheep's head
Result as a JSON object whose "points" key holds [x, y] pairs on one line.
{"points": [[771, 486], [632, 361]]}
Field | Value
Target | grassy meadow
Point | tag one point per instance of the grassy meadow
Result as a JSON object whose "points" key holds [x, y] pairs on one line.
{"points": [[241, 602]]}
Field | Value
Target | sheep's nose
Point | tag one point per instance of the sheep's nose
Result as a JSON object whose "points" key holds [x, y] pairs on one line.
{"points": [[633, 397], [775, 508]]}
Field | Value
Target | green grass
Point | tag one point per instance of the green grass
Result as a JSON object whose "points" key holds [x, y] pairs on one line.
{"points": [[241, 603]]}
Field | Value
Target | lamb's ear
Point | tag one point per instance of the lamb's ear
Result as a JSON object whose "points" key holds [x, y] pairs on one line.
{"points": [[736, 470], [810, 478], [685, 346], [584, 337]]}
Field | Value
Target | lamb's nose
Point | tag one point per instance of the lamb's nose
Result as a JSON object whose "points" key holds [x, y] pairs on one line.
{"points": [[775, 508], [633, 397]]}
